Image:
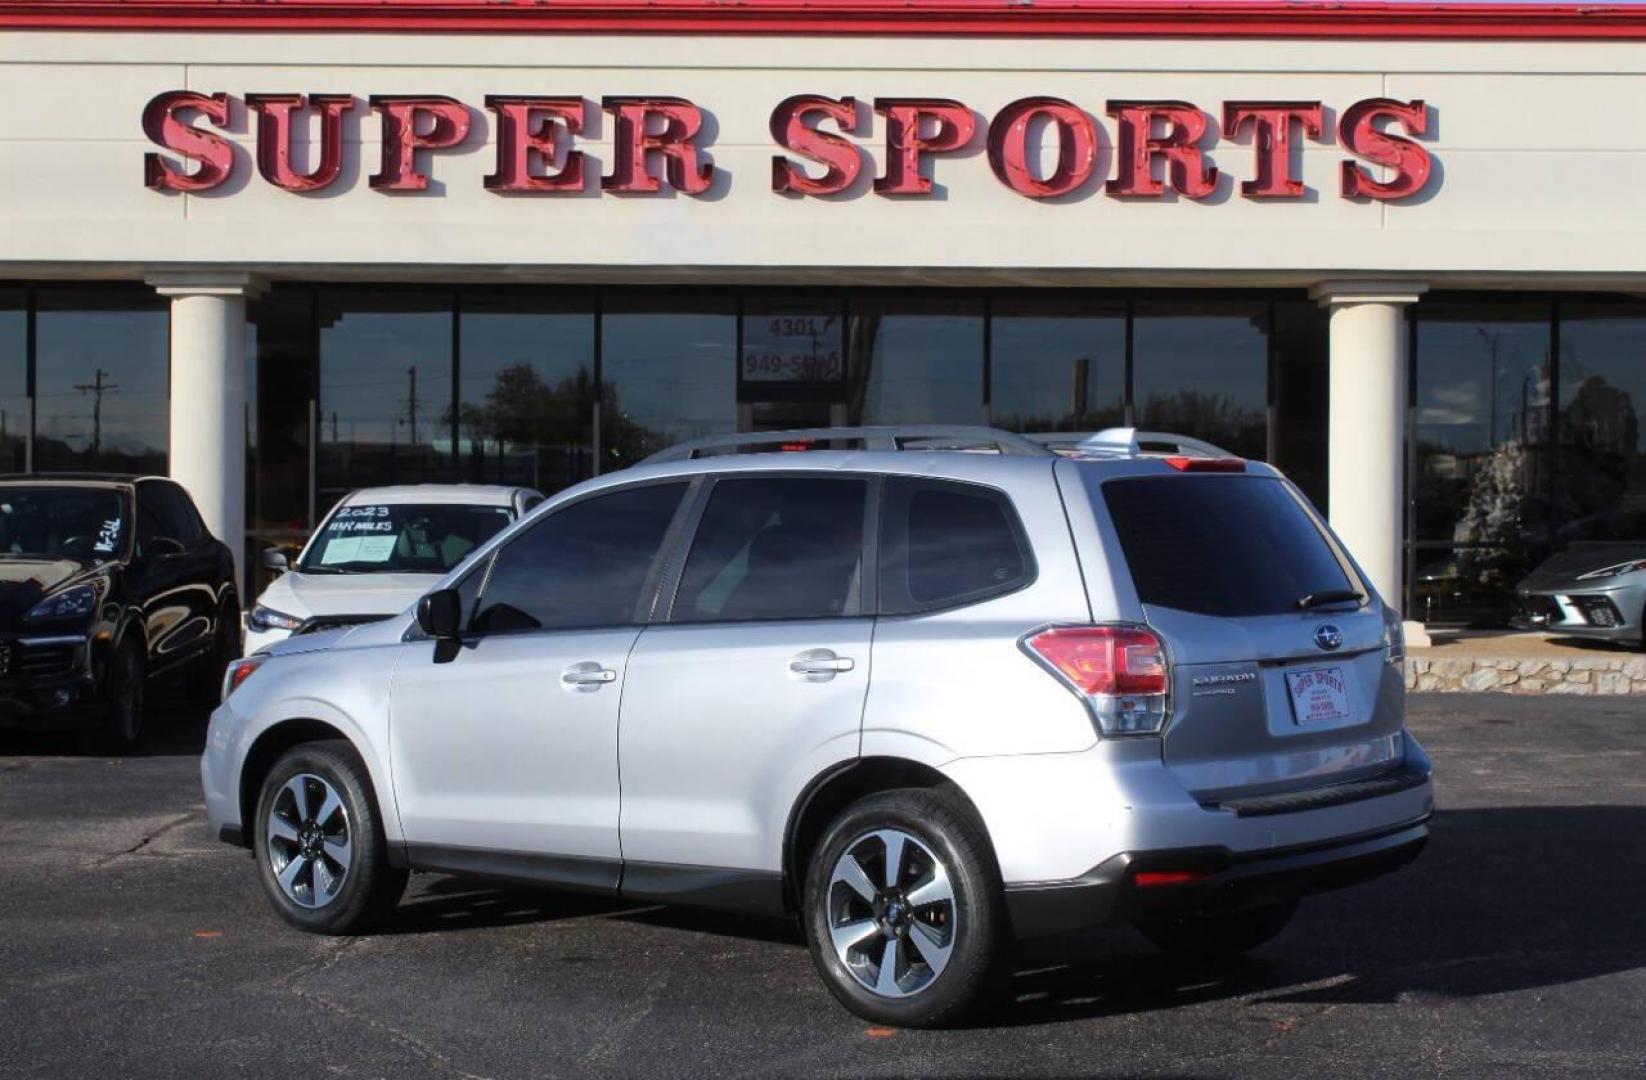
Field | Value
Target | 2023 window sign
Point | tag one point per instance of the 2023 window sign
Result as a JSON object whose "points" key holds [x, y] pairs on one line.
{"points": [[1134, 149]]}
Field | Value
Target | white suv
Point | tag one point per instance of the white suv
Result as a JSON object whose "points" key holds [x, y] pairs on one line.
{"points": [[928, 700]]}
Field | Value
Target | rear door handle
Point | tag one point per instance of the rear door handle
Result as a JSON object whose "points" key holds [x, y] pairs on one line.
{"points": [[587, 676], [820, 664]]}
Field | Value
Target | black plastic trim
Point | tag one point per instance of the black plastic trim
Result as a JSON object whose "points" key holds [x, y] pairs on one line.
{"points": [[562, 872], [233, 834], [1403, 778], [1107, 894], [756, 891]]}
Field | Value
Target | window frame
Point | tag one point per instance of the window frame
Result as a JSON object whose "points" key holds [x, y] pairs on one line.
{"points": [[645, 605], [868, 550], [889, 565]]}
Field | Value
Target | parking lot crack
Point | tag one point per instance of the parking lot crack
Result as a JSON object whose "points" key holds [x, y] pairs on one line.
{"points": [[147, 839], [406, 1041]]}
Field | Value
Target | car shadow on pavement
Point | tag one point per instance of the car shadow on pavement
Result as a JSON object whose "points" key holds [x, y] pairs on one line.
{"points": [[1505, 899]]}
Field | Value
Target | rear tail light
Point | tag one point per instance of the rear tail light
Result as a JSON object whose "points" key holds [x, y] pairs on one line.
{"points": [[1394, 637], [1119, 671], [1207, 464]]}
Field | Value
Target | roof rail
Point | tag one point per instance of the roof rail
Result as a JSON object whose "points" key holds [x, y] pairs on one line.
{"points": [[1126, 442], [951, 437]]}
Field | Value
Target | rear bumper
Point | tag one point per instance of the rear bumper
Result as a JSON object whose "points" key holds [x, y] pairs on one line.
{"points": [[1206, 880]]}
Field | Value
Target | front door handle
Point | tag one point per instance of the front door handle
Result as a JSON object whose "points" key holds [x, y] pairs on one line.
{"points": [[587, 676], [817, 665]]}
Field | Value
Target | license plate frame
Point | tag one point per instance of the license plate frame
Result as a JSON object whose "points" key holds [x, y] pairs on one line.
{"points": [[1319, 695]]}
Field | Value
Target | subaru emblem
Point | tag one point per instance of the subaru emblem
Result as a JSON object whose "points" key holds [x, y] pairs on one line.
{"points": [[1328, 637]]}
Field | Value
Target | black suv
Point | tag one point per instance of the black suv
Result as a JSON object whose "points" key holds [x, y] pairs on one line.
{"points": [[106, 584]]}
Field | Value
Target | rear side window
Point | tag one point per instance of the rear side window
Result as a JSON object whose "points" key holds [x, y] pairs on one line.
{"points": [[776, 547], [584, 566], [1220, 545], [944, 544]]}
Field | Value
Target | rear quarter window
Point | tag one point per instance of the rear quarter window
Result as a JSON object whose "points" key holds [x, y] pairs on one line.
{"points": [[945, 544], [1221, 545]]}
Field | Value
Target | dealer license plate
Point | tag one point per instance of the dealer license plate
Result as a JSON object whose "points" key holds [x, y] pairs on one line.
{"points": [[1319, 695]]}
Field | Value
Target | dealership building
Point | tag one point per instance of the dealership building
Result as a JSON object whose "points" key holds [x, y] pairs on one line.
{"points": [[284, 248]]}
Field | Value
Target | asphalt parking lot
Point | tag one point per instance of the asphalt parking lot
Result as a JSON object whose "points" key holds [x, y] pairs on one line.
{"points": [[133, 944]]}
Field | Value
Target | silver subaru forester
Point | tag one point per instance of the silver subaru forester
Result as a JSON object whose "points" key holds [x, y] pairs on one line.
{"points": [[930, 689]]}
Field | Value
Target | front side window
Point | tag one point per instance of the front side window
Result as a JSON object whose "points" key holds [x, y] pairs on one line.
{"points": [[943, 544], [586, 565], [776, 547], [401, 538]]}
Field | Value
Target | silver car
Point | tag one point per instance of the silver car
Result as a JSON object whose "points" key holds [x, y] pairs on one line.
{"points": [[1593, 590], [931, 690]]}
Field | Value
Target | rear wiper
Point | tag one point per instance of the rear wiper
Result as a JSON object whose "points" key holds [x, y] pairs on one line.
{"points": [[1329, 596]]}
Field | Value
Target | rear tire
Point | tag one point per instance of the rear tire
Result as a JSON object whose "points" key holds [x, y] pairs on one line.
{"points": [[1218, 937], [318, 838], [121, 724], [937, 919]]}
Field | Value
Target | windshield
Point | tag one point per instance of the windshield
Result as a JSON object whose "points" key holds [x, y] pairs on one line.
{"points": [[401, 538], [88, 524]]}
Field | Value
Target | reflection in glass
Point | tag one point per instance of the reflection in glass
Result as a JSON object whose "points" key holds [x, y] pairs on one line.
{"points": [[1202, 369], [526, 387], [14, 379], [385, 390], [1480, 430], [102, 360], [1602, 390], [916, 362], [1057, 367], [669, 373]]}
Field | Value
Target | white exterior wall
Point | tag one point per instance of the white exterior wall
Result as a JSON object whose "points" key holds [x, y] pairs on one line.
{"points": [[1540, 160]]}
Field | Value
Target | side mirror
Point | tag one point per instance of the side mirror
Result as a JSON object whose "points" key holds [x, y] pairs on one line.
{"points": [[440, 614], [164, 547], [275, 559]]}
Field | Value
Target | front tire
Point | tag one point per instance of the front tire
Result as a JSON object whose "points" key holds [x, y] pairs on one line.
{"points": [[904, 911], [1218, 937], [321, 853], [121, 724]]}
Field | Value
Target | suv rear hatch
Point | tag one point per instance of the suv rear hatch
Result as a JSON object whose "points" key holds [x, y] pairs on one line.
{"points": [[1281, 678]]}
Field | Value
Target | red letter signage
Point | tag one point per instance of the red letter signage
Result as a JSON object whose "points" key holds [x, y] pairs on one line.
{"points": [[529, 130], [448, 125], [1076, 146], [274, 138], [1409, 162], [686, 167], [954, 127], [162, 125], [1271, 123], [841, 159], [1136, 147]]}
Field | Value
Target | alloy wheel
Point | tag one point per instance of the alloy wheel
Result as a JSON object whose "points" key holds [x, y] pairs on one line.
{"points": [[891, 913], [310, 845]]}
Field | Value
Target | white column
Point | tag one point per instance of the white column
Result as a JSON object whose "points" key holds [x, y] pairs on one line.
{"points": [[1366, 462], [208, 397]]}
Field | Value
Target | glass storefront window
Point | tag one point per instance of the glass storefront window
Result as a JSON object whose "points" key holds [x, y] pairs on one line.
{"points": [[385, 390], [1057, 366], [1480, 480], [1602, 390], [668, 373], [102, 363], [14, 379], [526, 390], [1201, 368], [916, 362], [792, 373]]}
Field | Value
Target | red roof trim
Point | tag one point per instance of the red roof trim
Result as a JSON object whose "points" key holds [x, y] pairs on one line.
{"points": [[1034, 18]]}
